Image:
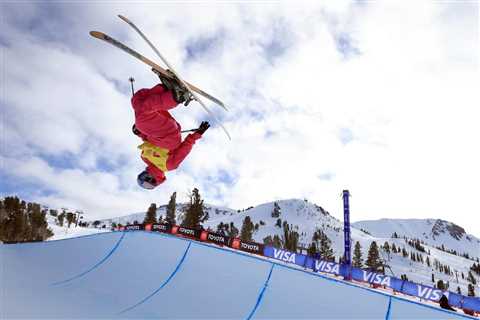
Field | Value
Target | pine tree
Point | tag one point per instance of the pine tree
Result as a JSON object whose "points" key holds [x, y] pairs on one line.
{"points": [[428, 261], [61, 218], [277, 242], [471, 278], [222, 228], [21, 221], [274, 242], [276, 210], [171, 208], [278, 223], [151, 215], [394, 248], [459, 291], [195, 214], [39, 225], [373, 259], [433, 278], [268, 241], [70, 218], [386, 248], [471, 290], [289, 237], [475, 268], [325, 248], [232, 230], [312, 250], [441, 285], [357, 255], [246, 232]]}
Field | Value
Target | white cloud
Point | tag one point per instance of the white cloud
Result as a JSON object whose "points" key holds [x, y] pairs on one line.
{"points": [[408, 98]]}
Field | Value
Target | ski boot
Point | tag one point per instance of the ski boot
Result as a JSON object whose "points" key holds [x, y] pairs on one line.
{"points": [[180, 93]]}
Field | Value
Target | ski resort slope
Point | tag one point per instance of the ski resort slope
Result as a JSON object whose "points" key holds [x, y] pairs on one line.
{"points": [[151, 275]]}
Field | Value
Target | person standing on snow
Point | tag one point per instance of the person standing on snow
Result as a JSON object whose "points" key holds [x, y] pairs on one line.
{"points": [[162, 148], [444, 303]]}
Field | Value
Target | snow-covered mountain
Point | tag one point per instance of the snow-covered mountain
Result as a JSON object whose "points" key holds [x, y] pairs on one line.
{"points": [[434, 232], [307, 217]]}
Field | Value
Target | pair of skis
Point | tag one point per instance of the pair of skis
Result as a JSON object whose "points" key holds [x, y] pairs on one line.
{"points": [[195, 91]]}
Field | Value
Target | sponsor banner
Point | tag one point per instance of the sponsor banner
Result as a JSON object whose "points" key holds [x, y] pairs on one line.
{"points": [[327, 267], [285, 256], [471, 303], [133, 227], [235, 244], [216, 238], [371, 277], [186, 232], [414, 289], [422, 291], [251, 247], [309, 262], [161, 227], [303, 260], [433, 294]]}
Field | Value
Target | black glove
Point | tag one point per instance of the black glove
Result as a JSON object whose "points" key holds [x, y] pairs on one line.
{"points": [[203, 127]]}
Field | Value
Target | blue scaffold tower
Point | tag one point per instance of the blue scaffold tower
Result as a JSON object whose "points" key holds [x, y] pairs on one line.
{"points": [[347, 258]]}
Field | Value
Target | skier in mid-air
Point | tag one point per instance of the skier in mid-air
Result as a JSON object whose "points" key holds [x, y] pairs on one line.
{"points": [[162, 149]]}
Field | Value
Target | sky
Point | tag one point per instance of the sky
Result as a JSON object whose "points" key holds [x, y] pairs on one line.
{"points": [[377, 97]]}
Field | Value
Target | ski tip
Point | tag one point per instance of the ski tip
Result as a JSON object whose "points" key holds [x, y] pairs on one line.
{"points": [[123, 18], [96, 34], [224, 106]]}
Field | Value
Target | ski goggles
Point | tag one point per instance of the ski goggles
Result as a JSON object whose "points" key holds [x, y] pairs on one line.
{"points": [[146, 181]]}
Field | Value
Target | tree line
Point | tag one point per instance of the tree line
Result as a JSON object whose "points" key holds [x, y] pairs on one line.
{"points": [[195, 212], [22, 221]]}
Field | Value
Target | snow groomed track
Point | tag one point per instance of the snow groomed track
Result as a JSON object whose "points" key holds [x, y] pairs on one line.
{"points": [[143, 274]]}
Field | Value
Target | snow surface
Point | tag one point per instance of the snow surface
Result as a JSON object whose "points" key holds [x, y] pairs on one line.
{"points": [[150, 275], [64, 232], [308, 217]]}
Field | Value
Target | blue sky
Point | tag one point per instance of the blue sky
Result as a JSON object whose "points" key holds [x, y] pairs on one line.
{"points": [[323, 96]]}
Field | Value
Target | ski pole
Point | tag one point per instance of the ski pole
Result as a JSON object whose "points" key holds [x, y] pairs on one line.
{"points": [[190, 130], [131, 82]]}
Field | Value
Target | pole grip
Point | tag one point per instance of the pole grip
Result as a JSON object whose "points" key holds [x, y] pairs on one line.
{"points": [[131, 79]]}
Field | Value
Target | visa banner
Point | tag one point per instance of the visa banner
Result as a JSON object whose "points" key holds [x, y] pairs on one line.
{"points": [[371, 277], [368, 276], [284, 255]]}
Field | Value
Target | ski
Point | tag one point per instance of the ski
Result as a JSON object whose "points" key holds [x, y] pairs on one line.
{"points": [[118, 44], [169, 66], [123, 47]]}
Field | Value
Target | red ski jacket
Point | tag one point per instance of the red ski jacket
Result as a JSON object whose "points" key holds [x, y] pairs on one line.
{"points": [[163, 149]]}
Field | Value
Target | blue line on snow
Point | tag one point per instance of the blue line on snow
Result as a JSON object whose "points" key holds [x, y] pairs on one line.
{"points": [[265, 261], [310, 273], [260, 297], [387, 316], [163, 284], [95, 266]]}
